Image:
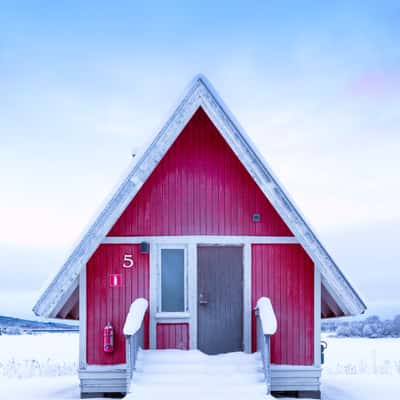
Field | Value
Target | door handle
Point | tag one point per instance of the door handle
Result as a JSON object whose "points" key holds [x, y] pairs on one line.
{"points": [[203, 300]]}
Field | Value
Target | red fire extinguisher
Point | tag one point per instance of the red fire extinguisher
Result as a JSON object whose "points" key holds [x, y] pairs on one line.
{"points": [[108, 338]]}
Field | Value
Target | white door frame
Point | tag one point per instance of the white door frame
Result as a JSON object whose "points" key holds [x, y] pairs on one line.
{"points": [[190, 315]]}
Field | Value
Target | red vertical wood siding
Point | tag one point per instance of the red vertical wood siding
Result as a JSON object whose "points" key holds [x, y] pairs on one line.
{"points": [[173, 336], [285, 274], [199, 187], [111, 304]]}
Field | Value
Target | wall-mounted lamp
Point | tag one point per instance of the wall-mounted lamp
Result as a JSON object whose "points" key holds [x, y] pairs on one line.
{"points": [[256, 217], [144, 248]]}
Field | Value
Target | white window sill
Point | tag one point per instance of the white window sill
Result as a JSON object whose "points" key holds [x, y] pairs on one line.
{"points": [[173, 315]]}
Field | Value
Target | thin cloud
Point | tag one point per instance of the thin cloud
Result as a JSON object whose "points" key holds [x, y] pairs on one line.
{"points": [[377, 85]]}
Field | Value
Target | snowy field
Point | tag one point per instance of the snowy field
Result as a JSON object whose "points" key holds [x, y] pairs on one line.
{"points": [[39, 355], [361, 369], [34, 367]]}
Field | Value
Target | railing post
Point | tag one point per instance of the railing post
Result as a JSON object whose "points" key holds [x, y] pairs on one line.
{"points": [[267, 357], [135, 350], [128, 356]]}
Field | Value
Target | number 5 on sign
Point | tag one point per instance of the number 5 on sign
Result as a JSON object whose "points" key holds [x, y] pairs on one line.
{"points": [[128, 261]]}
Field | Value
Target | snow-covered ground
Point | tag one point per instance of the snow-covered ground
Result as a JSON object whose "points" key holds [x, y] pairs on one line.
{"points": [[34, 367], [49, 354], [361, 369], [362, 356]]}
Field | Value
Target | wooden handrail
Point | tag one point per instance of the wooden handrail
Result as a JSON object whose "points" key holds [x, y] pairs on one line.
{"points": [[134, 333], [266, 327]]}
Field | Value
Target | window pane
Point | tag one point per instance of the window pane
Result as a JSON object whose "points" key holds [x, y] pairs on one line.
{"points": [[172, 280]]}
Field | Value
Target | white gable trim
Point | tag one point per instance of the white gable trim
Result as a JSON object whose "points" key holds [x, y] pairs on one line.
{"points": [[200, 94]]}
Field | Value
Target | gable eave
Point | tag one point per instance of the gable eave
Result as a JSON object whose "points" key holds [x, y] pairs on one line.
{"points": [[199, 94]]}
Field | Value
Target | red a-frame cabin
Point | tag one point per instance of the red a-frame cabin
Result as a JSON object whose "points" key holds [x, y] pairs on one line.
{"points": [[202, 229]]}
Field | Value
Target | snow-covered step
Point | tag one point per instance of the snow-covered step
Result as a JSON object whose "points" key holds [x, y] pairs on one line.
{"points": [[184, 388], [194, 393], [198, 378], [183, 368], [195, 396], [196, 356], [191, 392], [180, 374]]}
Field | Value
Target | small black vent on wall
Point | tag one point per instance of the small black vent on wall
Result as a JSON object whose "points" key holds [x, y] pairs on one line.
{"points": [[256, 217], [144, 247]]}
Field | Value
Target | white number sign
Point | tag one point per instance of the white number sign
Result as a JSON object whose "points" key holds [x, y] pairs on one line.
{"points": [[128, 261]]}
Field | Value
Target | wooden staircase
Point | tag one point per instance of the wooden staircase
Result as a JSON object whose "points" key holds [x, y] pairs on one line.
{"points": [[192, 375]]}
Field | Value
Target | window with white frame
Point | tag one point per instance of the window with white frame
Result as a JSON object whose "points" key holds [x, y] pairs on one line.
{"points": [[173, 280]]}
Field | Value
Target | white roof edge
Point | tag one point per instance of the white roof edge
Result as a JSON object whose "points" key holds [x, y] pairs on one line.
{"points": [[199, 93]]}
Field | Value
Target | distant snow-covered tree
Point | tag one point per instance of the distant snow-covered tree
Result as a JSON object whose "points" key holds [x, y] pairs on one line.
{"points": [[396, 325], [368, 331], [371, 327], [379, 329], [13, 330], [343, 331], [375, 327], [388, 328], [356, 328], [372, 320]]}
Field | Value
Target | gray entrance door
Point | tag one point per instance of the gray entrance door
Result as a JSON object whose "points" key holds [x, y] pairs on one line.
{"points": [[220, 302]]}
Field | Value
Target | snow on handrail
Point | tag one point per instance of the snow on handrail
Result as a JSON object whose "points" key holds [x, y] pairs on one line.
{"points": [[135, 316], [267, 315]]}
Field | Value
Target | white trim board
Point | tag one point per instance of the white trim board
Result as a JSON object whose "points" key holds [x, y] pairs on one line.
{"points": [[104, 367], [153, 295], [247, 311], [201, 239], [200, 94], [317, 317], [82, 320], [193, 294]]}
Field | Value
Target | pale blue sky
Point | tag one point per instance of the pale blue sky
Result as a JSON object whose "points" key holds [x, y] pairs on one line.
{"points": [[316, 86]]}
